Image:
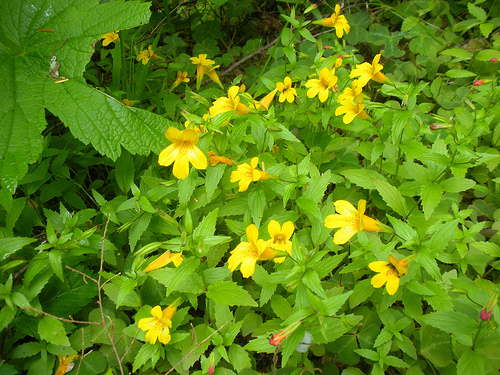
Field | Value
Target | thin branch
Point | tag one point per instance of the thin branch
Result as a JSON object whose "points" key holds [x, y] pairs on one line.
{"points": [[83, 274], [61, 319]]}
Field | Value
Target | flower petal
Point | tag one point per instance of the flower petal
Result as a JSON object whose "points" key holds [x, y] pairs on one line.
{"points": [[344, 235], [274, 228], [392, 284], [379, 280], [379, 266], [197, 158], [168, 155], [181, 167], [287, 229], [173, 134]]}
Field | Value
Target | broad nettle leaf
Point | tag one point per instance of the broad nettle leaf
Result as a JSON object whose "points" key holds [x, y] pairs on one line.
{"points": [[42, 41]]}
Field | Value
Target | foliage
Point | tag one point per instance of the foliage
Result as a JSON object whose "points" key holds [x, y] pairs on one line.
{"points": [[248, 254]]}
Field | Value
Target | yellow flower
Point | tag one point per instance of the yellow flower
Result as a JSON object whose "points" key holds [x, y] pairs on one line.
{"points": [[213, 159], [146, 55], [327, 79], [337, 21], [248, 253], [165, 259], [247, 173], [388, 272], [205, 66], [287, 91], [158, 326], [280, 238], [351, 109], [351, 220], [367, 71], [351, 93], [181, 77], [266, 101], [110, 37], [65, 364], [182, 151], [231, 103]]}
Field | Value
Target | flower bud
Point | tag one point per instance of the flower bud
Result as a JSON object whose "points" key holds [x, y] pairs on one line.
{"points": [[310, 8], [485, 315], [211, 364], [278, 337], [494, 59], [440, 126], [479, 82]]}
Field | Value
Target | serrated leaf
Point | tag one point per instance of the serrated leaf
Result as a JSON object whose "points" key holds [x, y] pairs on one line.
{"points": [[431, 196], [239, 357], [457, 184], [311, 280], [257, 203], [487, 54], [391, 196], [10, 245], [429, 263], [25, 70], [138, 227], [316, 188], [229, 293], [451, 322], [477, 12], [207, 226], [28, 349], [52, 330], [308, 206], [460, 73], [489, 248], [457, 52], [362, 177], [361, 292], [442, 236]]}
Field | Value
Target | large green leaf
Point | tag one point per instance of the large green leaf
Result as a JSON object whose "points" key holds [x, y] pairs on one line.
{"points": [[41, 40]]}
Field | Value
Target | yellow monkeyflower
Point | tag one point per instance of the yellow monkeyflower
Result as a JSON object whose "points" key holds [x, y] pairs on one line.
{"points": [[351, 221], [146, 55], [205, 66], [181, 77], [287, 91], [351, 109], [214, 159], [388, 272], [266, 101], [247, 173], [350, 93], [164, 259], [128, 102], [158, 326], [182, 151], [110, 38], [231, 103], [248, 253], [327, 79], [65, 364], [367, 71], [280, 238], [337, 21]]}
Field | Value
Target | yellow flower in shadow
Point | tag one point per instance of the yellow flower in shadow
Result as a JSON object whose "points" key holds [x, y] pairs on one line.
{"points": [[146, 55], [181, 77], [65, 364], [245, 174], [367, 72], [205, 66], [350, 93], [158, 326], [351, 109], [110, 38], [327, 79], [164, 259], [182, 151], [287, 91], [248, 253], [280, 238], [214, 159], [266, 101], [351, 221], [338, 21], [388, 273]]}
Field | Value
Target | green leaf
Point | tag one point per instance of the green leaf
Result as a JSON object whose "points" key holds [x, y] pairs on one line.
{"points": [[10, 245], [28, 349], [308, 206], [181, 273], [451, 322], [138, 227], [486, 29], [477, 12], [124, 172], [428, 262], [147, 353], [207, 226], [362, 177], [460, 73], [239, 357], [212, 178], [457, 52], [370, 354], [316, 188], [470, 363], [311, 280], [403, 230], [487, 54], [489, 248], [442, 236], [126, 287], [391, 196], [395, 362], [257, 203], [93, 363], [29, 88], [457, 184], [52, 330], [56, 263], [229, 293], [431, 196], [333, 304], [361, 292]]}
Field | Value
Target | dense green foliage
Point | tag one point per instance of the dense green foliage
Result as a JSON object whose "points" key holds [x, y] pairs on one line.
{"points": [[87, 204]]}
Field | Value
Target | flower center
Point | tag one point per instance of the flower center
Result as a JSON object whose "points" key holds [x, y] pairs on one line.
{"points": [[279, 239], [184, 147]]}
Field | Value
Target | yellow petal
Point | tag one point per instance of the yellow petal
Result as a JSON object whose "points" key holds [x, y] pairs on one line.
{"points": [[248, 267], [379, 266], [197, 158], [379, 280], [164, 336], [181, 167], [173, 134], [152, 335], [243, 184], [392, 284], [344, 235], [147, 323], [338, 221], [168, 155], [345, 208], [252, 233], [274, 228], [288, 229]]}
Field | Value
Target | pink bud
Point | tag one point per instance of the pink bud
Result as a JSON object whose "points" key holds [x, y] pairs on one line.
{"points": [[327, 47], [440, 126], [485, 315], [494, 59], [479, 82]]}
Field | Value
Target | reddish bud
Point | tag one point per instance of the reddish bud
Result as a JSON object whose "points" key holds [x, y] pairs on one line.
{"points": [[494, 59], [479, 82], [485, 315], [278, 337], [327, 47], [440, 126]]}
